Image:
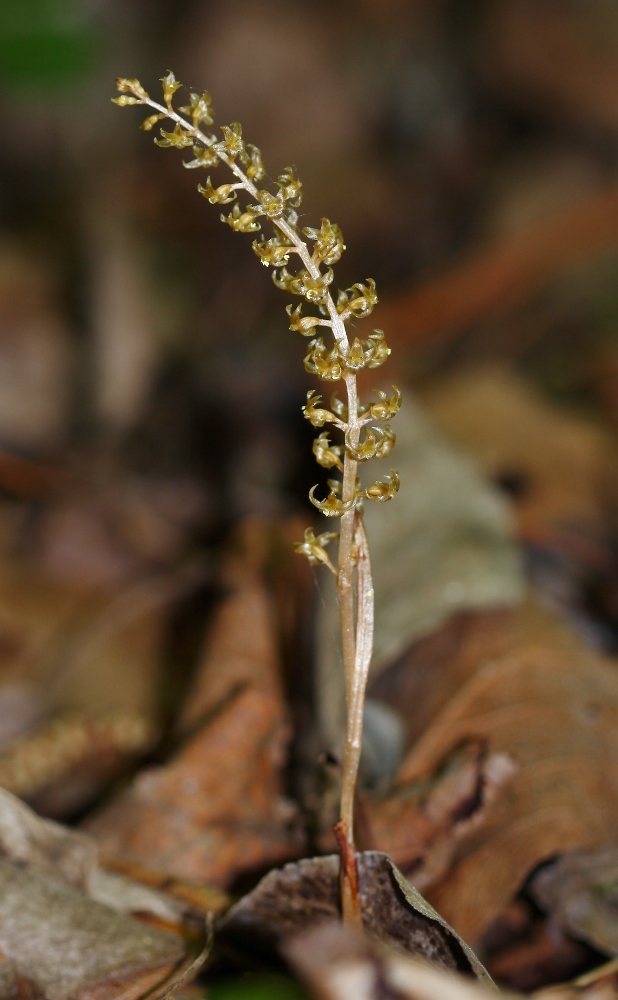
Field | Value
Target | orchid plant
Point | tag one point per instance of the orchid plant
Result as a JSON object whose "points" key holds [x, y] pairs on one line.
{"points": [[364, 428]]}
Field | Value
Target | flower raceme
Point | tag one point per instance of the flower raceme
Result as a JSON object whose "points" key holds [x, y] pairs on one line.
{"points": [[310, 282]]}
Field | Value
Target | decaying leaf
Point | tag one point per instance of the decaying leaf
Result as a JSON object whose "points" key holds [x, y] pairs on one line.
{"points": [[431, 671], [71, 856], [305, 893], [62, 930], [218, 808], [518, 765], [558, 486], [580, 891], [241, 645], [70, 946]]}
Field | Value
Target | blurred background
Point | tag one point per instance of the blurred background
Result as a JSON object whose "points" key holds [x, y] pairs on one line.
{"points": [[150, 391], [469, 153]]}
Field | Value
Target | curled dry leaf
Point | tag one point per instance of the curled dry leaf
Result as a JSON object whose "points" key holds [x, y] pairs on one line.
{"points": [[517, 766], [304, 894], [218, 808]]}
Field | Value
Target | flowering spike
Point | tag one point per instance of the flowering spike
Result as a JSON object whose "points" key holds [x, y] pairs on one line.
{"points": [[253, 161], [357, 301], [340, 360], [151, 121], [203, 157], [377, 348], [325, 364], [273, 253], [130, 86], [232, 145], [222, 195], [290, 187], [304, 324]]}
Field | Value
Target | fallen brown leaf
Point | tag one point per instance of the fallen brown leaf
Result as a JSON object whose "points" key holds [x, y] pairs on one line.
{"points": [[218, 807], [241, 646], [559, 486], [305, 893], [518, 765], [422, 681], [86, 949], [64, 931], [51, 850]]}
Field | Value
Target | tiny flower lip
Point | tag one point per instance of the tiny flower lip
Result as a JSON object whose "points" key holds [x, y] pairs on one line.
{"points": [[332, 506]]}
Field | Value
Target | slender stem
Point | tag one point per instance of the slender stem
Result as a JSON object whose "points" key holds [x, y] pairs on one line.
{"points": [[364, 647], [345, 580], [354, 727]]}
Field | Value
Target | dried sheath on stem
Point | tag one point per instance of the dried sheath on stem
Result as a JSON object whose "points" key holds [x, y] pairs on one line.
{"points": [[365, 430]]}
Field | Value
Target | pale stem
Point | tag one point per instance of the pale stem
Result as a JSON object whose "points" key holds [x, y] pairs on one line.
{"points": [[354, 729]]}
